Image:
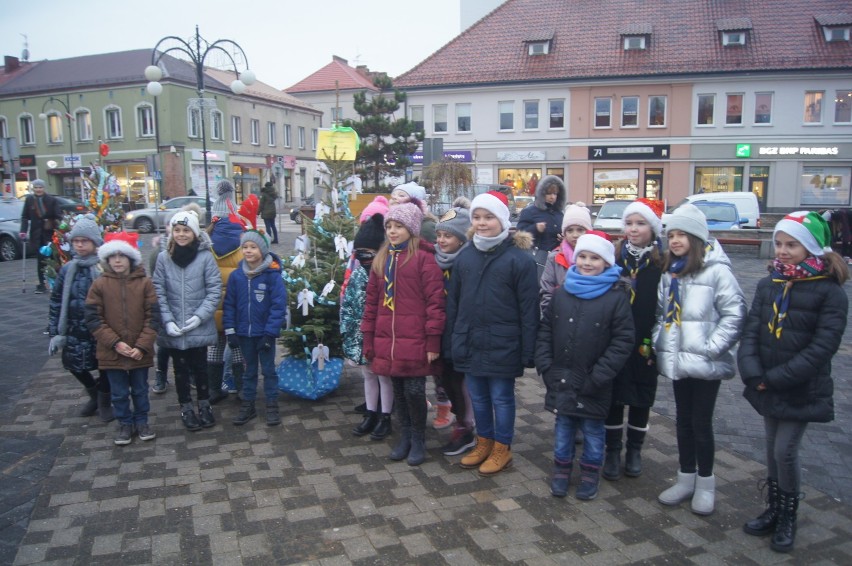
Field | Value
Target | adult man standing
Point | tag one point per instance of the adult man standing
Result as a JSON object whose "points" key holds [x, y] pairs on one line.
{"points": [[39, 217]]}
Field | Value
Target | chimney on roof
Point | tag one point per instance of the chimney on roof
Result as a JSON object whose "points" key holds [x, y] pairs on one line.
{"points": [[339, 59], [364, 71], [10, 63]]}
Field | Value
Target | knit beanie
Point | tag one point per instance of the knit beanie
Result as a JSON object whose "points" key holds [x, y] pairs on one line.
{"points": [[225, 193], [258, 238], [575, 215], [188, 218], [408, 214], [809, 229], [598, 243], [494, 202], [650, 210], [413, 190], [86, 227], [456, 221], [371, 234], [38, 183], [378, 206], [124, 243], [688, 218]]}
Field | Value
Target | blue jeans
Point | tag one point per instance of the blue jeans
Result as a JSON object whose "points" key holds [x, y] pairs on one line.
{"points": [[594, 436], [249, 346], [493, 401], [127, 385]]}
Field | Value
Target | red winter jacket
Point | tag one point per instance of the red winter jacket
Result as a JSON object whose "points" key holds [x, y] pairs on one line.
{"points": [[396, 341]]}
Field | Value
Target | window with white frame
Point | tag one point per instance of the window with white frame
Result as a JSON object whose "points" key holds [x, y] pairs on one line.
{"points": [[27, 131], [193, 127], [603, 112], [733, 38], [288, 139], [54, 128], [439, 118], [145, 121], [417, 117], [706, 109], [463, 117], [629, 111], [301, 137], [657, 111], [337, 114], [734, 110], [507, 114], [530, 114], [236, 129], [314, 138], [4, 127], [763, 108], [254, 126], [538, 47], [634, 42], [83, 120], [836, 33], [557, 113], [270, 133], [114, 129], [217, 121], [813, 106], [843, 107]]}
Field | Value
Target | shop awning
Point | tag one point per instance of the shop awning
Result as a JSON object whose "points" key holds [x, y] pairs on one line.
{"points": [[261, 165]]}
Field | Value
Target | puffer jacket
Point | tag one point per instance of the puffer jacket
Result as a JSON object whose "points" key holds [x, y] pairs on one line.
{"points": [[550, 214], [122, 309], [796, 368], [582, 344], [225, 241], [396, 341], [267, 203], [351, 312], [555, 269], [712, 314], [186, 292], [256, 305], [78, 354], [492, 309]]}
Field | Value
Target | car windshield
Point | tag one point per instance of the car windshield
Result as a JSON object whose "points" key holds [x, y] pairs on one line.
{"points": [[613, 209], [719, 213]]}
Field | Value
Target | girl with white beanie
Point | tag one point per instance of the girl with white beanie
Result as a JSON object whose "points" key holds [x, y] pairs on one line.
{"points": [[576, 221]]}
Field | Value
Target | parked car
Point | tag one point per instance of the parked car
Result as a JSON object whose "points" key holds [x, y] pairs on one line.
{"points": [[10, 240], [721, 215], [72, 205], [149, 219], [745, 201], [609, 216], [295, 212], [10, 223]]}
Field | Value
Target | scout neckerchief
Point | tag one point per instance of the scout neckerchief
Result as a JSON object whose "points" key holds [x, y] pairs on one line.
{"points": [[390, 272], [787, 274]]}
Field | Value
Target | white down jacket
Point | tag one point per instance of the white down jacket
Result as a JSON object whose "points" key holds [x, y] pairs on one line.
{"points": [[713, 311]]}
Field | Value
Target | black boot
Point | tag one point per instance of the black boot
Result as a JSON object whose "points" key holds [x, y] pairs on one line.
{"points": [[91, 406], [765, 523], [272, 416], [561, 478], [214, 381], [247, 413], [368, 423], [417, 454], [633, 460], [612, 464], [189, 418], [105, 406], [784, 538], [205, 414], [403, 445], [589, 479], [383, 428]]}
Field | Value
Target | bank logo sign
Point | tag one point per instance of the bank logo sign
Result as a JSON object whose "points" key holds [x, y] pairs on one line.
{"points": [[744, 150]]}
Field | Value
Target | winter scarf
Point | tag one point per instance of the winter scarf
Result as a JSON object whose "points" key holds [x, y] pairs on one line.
{"points": [[264, 265], [390, 271], [488, 243], [590, 286], [812, 268], [567, 251], [445, 262], [90, 262], [633, 260], [183, 255], [673, 308]]}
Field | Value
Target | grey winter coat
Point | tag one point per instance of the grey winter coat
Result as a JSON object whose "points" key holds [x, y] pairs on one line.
{"points": [[186, 292], [712, 315]]}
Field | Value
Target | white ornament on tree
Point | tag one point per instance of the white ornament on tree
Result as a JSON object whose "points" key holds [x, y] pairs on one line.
{"points": [[340, 245], [301, 244], [329, 287], [305, 299], [299, 261], [320, 355]]}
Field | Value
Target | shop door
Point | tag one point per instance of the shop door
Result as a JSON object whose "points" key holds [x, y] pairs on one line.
{"points": [[654, 184], [758, 181]]}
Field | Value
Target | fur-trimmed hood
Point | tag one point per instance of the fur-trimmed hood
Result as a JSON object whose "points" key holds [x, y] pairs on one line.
{"points": [[547, 182]]}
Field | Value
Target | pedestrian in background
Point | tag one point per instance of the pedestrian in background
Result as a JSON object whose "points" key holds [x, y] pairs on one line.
{"points": [[492, 314], [794, 328], [639, 255], [121, 312], [584, 339], [67, 324], [39, 218], [268, 209], [403, 321], [576, 221], [543, 219], [699, 319]]}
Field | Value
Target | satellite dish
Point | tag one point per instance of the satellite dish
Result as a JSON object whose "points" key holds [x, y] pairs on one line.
{"points": [[51, 164]]}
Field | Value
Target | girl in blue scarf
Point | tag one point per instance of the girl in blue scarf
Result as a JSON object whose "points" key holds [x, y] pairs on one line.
{"points": [[584, 339]]}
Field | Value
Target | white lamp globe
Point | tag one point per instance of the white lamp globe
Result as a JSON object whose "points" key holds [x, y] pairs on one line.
{"points": [[154, 88], [153, 73], [248, 77], [238, 87], [42, 116]]}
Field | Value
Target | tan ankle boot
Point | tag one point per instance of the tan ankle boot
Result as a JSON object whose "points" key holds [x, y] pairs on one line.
{"points": [[479, 454], [499, 460]]}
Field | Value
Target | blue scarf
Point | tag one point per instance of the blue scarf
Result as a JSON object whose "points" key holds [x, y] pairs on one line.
{"points": [[390, 272], [590, 286], [673, 308]]}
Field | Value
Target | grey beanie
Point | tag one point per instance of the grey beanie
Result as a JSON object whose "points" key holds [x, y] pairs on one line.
{"points": [[688, 218], [86, 227], [258, 238], [456, 221], [220, 207], [38, 183]]}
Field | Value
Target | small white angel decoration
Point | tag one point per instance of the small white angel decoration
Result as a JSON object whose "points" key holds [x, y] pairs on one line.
{"points": [[305, 299], [329, 287], [340, 245], [299, 261], [320, 355]]}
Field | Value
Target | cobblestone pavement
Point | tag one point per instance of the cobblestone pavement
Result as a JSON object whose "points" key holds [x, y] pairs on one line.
{"points": [[310, 492]]}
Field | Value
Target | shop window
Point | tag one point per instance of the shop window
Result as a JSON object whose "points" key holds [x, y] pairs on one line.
{"points": [[194, 122], [556, 172], [706, 107], [303, 180], [439, 115], [216, 125], [463, 117], [656, 111], [763, 108], [236, 129], [254, 127], [54, 128], [314, 138], [507, 115], [557, 113], [417, 118], [813, 107], [718, 179], [522, 181], [531, 114], [825, 186], [843, 107], [654, 183], [83, 119], [145, 121], [4, 127], [603, 112], [301, 137], [270, 134], [288, 141], [629, 111], [734, 111], [618, 184]]}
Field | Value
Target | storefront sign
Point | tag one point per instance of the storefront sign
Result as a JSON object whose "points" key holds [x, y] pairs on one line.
{"points": [[629, 152], [198, 155], [459, 156], [28, 161], [795, 151], [521, 156], [289, 162], [72, 160]]}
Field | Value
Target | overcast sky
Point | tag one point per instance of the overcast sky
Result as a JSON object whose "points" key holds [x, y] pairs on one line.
{"points": [[284, 40]]}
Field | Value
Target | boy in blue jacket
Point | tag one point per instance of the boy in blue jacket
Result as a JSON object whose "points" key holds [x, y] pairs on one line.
{"points": [[253, 314]]}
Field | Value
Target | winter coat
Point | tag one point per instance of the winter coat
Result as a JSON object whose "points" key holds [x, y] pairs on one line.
{"points": [[636, 383], [351, 312], [39, 227], [553, 276], [256, 306], [582, 344], [712, 315], [268, 210], [396, 341], [123, 309], [492, 309], [796, 368], [226, 248], [186, 292], [550, 214], [79, 351]]}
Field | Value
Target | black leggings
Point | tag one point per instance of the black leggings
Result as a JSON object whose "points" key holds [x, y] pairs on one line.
{"points": [[88, 381], [190, 364], [695, 400], [409, 400], [783, 439], [452, 382]]}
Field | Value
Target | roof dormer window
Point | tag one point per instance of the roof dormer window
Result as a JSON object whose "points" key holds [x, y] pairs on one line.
{"points": [[636, 36], [538, 47], [836, 27], [539, 42], [734, 31], [634, 42], [836, 34], [733, 38]]}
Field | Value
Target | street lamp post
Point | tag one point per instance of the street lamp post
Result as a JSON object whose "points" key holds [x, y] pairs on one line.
{"points": [[197, 55], [67, 106]]}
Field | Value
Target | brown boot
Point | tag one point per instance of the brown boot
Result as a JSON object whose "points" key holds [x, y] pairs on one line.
{"points": [[479, 454], [500, 459]]}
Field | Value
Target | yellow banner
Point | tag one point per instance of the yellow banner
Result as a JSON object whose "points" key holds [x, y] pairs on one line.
{"points": [[341, 144]]}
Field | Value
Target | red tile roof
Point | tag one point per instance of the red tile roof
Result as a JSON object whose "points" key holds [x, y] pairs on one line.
{"points": [[336, 74], [587, 44]]}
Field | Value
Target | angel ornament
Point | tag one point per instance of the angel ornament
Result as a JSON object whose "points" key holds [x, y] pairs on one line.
{"points": [[329, 287], [320, 355], [340, 245], [299, 261], [305, 299]]}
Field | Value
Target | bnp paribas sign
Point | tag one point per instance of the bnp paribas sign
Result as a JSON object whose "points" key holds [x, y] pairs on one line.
{"points": [[790, 151]]}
